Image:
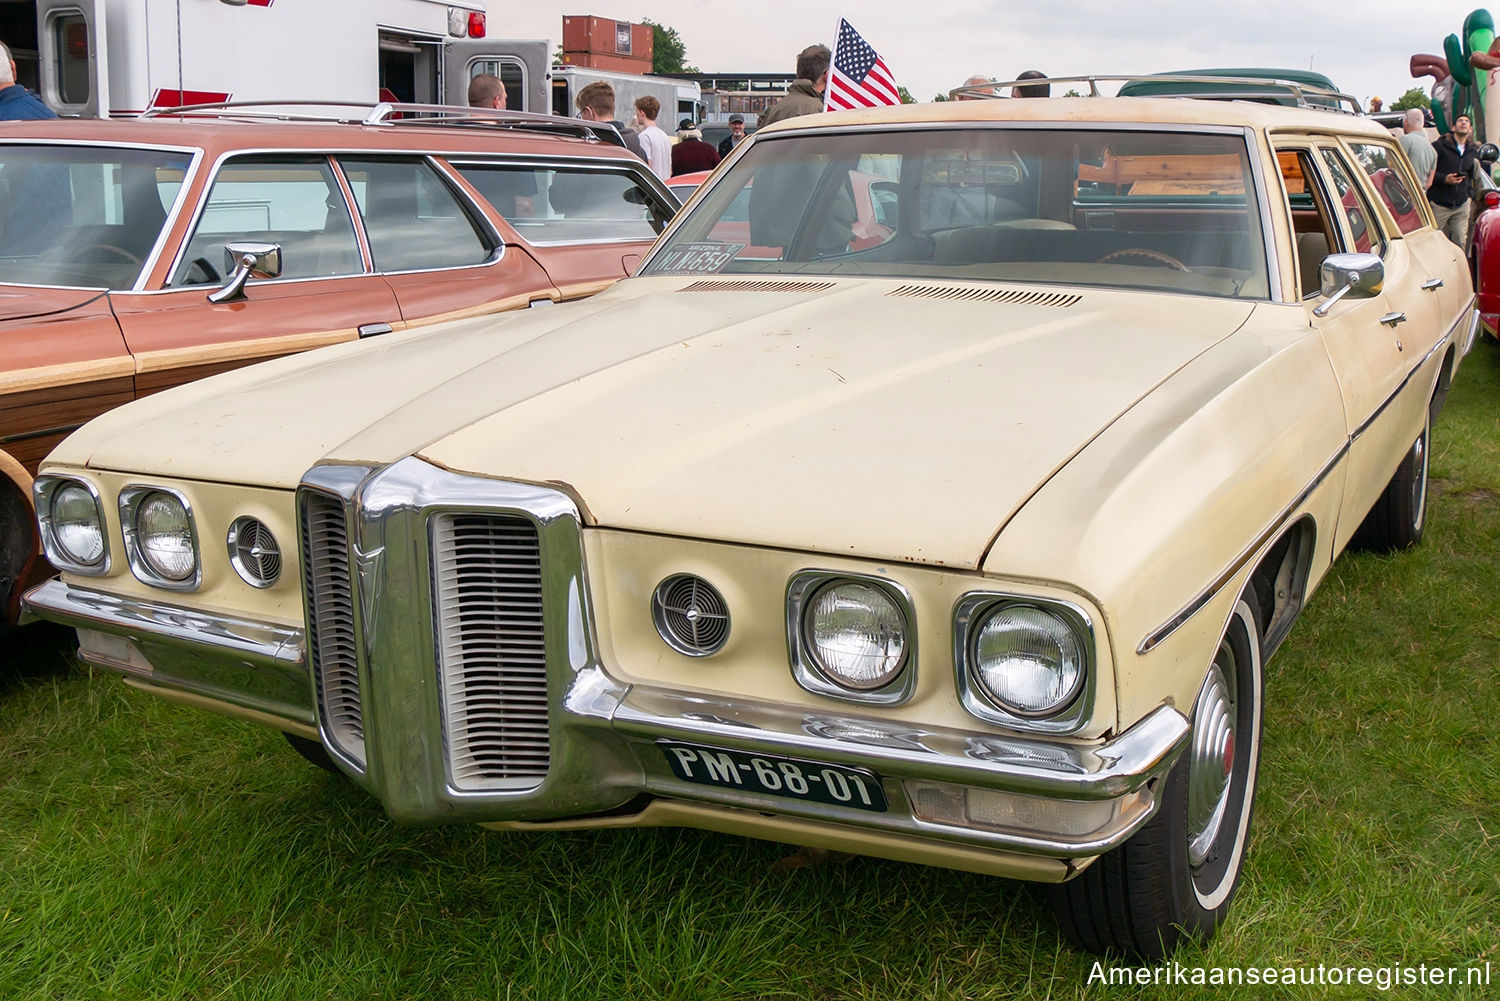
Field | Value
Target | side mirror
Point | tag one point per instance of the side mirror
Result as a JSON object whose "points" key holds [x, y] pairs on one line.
{"points": [[243, 259], [1358, 276], [1489, 153]]}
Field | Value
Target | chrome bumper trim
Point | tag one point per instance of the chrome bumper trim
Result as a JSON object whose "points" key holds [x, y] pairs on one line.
{"points": [[257, 643], [1011, 764]]}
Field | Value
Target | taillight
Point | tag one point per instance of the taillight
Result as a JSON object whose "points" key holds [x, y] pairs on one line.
{"points": [[476, 24], [1491, 199]]}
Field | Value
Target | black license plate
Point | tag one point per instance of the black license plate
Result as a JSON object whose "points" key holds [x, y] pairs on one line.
{"points": [[775, 775]]}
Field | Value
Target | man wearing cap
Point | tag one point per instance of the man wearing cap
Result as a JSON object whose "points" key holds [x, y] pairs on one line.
{"points": [[691, 152], [735, 137]]}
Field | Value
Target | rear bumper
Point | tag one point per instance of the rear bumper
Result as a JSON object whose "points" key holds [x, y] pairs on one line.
{"points": [[952, 790]]}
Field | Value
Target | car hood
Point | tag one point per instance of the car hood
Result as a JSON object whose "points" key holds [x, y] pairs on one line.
{"points": [[22, 302], [860, 417]]}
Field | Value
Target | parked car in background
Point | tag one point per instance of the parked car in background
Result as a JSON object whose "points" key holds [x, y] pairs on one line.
{"points": [[136, 255], [962, 542], [1484, 241]]}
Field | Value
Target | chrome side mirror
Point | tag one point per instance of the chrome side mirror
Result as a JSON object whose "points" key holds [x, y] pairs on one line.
{"points": [[243, 259], [1489, 153], [1359, 276]]}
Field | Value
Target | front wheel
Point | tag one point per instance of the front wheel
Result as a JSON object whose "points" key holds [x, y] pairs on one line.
{"points": [[1176, 876]]}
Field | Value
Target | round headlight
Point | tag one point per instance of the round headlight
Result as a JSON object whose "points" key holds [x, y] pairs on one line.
{"points": [[856, 635], [75, 525], [164, 537], [1029, 660]]}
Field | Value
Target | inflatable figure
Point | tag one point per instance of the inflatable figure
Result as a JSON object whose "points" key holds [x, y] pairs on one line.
{"points": [[1461, 75]]}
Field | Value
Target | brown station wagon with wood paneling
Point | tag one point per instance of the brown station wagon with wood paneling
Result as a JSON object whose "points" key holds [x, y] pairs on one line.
{"points": [[137, 255]]}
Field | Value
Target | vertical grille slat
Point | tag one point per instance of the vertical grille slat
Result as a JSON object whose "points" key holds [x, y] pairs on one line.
{"points": [[487, 572], [332, 643]]}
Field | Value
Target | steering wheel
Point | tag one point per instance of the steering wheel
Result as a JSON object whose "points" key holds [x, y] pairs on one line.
{"points": [[112, 249], [1154, 256]]}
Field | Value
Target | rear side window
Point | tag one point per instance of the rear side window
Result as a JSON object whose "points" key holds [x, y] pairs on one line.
{"points": [[294, 203], [1380, 163], [414, 221], [1363, 226], [554, 205]]}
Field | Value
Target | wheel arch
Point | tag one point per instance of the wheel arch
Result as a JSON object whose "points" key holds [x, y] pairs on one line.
{"points": [[18, 540], [1280, 581]]}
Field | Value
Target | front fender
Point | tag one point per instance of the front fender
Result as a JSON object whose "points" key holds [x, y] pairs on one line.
{"points": [[1161, 519]]}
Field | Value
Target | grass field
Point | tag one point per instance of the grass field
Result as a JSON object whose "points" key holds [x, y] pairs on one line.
{"points": [[148, 851]]}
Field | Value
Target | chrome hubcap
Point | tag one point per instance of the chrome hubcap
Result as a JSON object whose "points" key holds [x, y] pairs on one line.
{"points": [[1212, 760], [1419, 482]]}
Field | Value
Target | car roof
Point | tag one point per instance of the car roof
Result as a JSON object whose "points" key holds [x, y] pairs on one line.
{"points": [[218, 135], [1091, 110]]}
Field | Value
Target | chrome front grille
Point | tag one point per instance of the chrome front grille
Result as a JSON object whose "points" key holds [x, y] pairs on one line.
{"points": [[332, 637], [487, 589]]}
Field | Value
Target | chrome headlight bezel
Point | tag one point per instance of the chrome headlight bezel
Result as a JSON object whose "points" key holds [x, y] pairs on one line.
{"points": [[131, 499], [806, 666], [970, 614], [44, 490]]}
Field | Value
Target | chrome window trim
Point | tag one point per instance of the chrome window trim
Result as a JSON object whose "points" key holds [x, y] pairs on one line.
{"points": [[208, 187], [1253, 149], [800, 588], [1071, 718], [330, 155], [129, 502], [642, 177], [1160, 633], [43, 488], [189, 175], [472, 211]]}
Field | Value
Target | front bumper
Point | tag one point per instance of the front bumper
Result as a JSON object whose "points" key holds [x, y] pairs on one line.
{"points": [[396, 701], [610, 735]]}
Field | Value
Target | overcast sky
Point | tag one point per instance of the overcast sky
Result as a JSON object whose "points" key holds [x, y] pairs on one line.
{"points": [[932, 47]]}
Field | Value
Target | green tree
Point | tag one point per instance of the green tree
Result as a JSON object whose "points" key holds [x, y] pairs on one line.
{"points": [[1414, 98], [668, 51], [905, 96], [1072, 93], [941, 97]]}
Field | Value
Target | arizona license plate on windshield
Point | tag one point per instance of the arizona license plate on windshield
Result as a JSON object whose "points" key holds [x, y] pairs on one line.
{"points": [[774, 775]]}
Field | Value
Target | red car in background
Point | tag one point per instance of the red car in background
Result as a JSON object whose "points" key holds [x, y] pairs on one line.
{"points": [[1484, 245]]}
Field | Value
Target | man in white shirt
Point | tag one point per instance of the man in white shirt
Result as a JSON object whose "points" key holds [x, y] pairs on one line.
{"points": [[655, 142], [1418, 147]]}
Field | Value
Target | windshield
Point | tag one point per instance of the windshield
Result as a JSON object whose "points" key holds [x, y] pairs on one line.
{"points": [[1156, 210], [83, 215]]}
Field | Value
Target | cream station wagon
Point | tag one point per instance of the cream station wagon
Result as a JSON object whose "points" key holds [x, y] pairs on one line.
{"points": [[966, 548]]}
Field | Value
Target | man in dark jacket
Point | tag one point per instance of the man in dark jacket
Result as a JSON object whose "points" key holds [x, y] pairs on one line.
{"points": [[16, 102], [691, 152], [805, 95], [735, 137], [1452, 180]]}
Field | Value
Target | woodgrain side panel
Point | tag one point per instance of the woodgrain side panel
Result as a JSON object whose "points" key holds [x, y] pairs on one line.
{"points": [[33, 421]]}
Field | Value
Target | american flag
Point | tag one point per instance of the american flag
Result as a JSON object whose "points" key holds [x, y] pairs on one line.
{"points": [[858, 78]]}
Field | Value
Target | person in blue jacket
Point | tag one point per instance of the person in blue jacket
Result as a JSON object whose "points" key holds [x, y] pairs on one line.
{"points": [[16, 102]]}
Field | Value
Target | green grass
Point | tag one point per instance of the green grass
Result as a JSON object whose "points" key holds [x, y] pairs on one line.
{"points": [[148, 851]]}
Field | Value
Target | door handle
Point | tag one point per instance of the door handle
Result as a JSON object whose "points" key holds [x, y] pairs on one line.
{"points": [[1392, 319], [376, 329], [1432, 285]]}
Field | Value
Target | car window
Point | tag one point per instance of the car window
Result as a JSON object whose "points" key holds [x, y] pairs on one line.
{"points": [[294, 203], [414, 220], [1364, 226], [83, 215], [554, 205], [1381, 165], [1070, 204]]}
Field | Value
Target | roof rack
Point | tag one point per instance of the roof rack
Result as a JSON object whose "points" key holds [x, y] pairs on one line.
{"points": [[1221, 88], [392, 114]]}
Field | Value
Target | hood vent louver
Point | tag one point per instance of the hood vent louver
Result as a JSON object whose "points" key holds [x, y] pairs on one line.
{"points": [[1014, 297], [765, 285]]}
